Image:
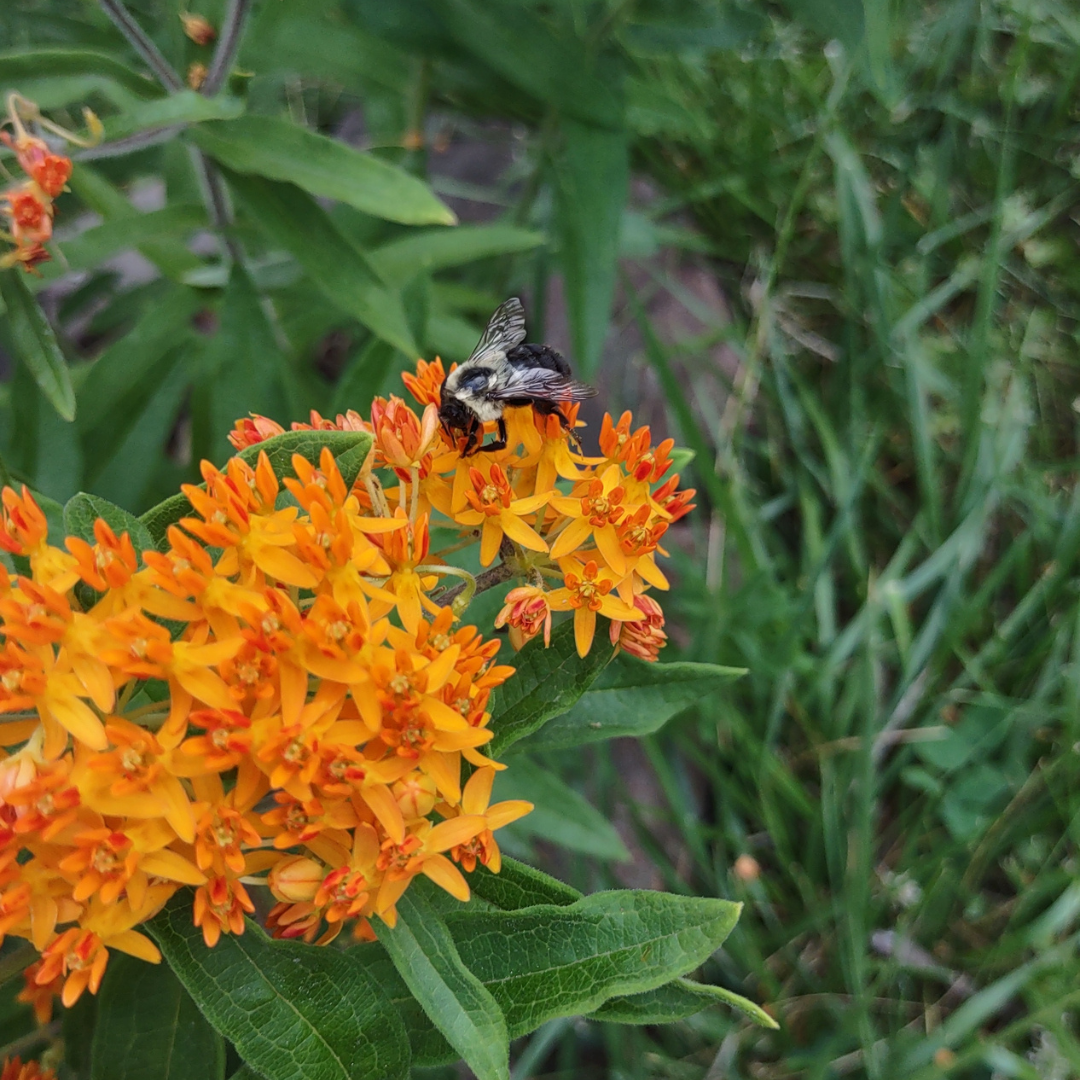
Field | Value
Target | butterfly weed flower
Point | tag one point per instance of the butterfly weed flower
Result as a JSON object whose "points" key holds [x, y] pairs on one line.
{"points": [[288, 694], [27, 206]]}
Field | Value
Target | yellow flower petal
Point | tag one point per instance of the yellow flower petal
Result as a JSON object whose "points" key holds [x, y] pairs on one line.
{"points": [[584, 629], [521, 532], [168, 864], [135, 944], [504, 812], [447, 876]]}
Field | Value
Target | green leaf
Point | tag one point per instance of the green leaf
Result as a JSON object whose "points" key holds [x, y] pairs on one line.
{"points": [[549, 961], [167, 253], [240, 370], [148, 1028], [21, 64], [116, 388], [452, 997], [297, 223], [547, 683], [183, 107], [94, 245], [293, 1011], [674, 1001], [562, 815], [518, 885], [349, 448], [281, 150], [429, 250], [35, 343], [83, 510], [634, 698], [556, 69], [592, 175]]}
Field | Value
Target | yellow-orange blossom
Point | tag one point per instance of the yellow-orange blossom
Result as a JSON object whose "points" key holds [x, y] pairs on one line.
{"points": [[309, 719]]}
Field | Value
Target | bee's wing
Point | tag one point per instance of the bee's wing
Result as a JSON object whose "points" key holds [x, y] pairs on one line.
{"points": [[541, 383], [505, 330]]}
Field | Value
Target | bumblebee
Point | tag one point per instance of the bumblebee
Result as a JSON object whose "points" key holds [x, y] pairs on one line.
{"points": [[502, 371]]}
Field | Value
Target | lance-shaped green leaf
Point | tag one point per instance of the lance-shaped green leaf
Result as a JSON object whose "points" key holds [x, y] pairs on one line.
{"points": [[560, 814], [349, 448], [281, 150], [518, 885], [94, 245], [452, 997], [19, 65], [294, 220], [548, 961], [293, 1012], [429, 250], [592, 175], [675, 1001], [547, 683], [165, 324], [35, 343], [183, 107], [83, 510], [631, 697], [148, 1028], [167, 253]]}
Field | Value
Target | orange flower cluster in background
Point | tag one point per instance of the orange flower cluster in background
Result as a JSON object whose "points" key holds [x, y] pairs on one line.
{"points": [[27, 207], [242, 703], [14, 1069], [579, 533]]}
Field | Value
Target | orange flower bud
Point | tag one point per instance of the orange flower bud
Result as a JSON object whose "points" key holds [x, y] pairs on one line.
{"points": [[196, 75], [198, 28], [296, 879], [415, 795]]}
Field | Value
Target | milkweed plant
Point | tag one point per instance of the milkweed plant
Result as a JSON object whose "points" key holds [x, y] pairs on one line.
{"points": [[268, 686]]}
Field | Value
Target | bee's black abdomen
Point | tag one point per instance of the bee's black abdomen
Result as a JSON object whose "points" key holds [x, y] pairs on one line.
{"points": [[538, 356]]}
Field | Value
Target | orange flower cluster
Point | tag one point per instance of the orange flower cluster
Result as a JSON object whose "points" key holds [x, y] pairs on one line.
{"points": [[580, 533], [28, 206], [239, 709], [14, 1069]]}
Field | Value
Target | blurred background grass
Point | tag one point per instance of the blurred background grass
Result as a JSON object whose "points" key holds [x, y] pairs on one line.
{"points": [[831, 247]]}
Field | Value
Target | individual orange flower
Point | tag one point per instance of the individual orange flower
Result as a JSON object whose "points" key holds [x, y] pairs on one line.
{"points": [[474, 802], [220, 906], [587, 594], [80, 956], [426, 385], [110, 563], [48, 170], [30, 214], [40, 997], [526, 611], [594, 511], [403, 439], [253, 429], [496, 510]]}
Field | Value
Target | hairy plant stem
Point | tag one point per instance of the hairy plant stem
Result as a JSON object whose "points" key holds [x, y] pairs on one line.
{"points": [[141, 43], [232, 32], [487, 580]]}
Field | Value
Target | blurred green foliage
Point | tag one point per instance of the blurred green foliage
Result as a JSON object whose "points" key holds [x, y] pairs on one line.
{"points": [[881, 408]]}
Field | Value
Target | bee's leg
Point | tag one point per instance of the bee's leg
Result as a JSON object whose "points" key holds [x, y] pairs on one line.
{"points": [[471, 441], [500, 443], [567, 428]]}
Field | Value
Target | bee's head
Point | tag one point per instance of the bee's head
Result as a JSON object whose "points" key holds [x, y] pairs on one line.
{"points": [[454, 414]]}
